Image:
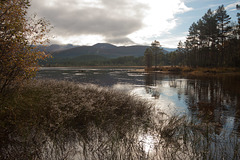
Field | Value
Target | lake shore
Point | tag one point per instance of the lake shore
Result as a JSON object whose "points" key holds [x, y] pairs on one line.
{"points": [[196, 71], [142, 67]]}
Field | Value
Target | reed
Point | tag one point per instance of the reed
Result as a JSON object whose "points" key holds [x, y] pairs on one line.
{"points": [[49, 119]]}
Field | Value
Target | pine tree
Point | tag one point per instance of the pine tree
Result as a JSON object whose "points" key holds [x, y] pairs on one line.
{"points": [[148, 57], [223, 20], [238, 15]]}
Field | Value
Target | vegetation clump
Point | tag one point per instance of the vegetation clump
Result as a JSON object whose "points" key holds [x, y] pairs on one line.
{"points": [[49, 119], [42, 110]]}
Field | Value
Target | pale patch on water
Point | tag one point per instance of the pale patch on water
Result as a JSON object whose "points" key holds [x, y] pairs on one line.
{"points": [[67, 77], [123, 79], [114, 73], [134, 74], [79, 74], [228, 127], [123, 87]]}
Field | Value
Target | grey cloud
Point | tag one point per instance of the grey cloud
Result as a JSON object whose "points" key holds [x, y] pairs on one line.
{"points": [[115, 3], [119, 40], [112, 21]]}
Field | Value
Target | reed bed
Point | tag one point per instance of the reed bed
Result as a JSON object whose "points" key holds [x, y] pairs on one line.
{"points": [[48, 119]]}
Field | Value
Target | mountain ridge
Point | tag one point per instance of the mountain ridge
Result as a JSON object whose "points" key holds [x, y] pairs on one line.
{"points": [[102, 49]]}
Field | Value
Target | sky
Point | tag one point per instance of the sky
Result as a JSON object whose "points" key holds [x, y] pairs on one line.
{"points": [[124, 22]]}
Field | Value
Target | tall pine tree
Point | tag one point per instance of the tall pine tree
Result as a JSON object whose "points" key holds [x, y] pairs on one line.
{"points": [[223, 20]]}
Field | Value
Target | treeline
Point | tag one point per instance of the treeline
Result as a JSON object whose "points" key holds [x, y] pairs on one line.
{"points": [[94, 60], [213, 41]]}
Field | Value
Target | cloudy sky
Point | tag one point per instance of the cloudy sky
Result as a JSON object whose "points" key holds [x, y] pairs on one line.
{"points": [[124, 22]]}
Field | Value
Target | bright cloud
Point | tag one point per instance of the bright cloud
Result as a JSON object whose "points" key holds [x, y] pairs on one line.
{"points": [[79, 40], [232, 6], [116, 21], [159, 20]]}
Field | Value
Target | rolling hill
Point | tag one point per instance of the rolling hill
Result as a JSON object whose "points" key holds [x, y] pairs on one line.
{"points": [[102, 49]]}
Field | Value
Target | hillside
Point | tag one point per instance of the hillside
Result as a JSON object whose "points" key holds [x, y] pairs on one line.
{"points": [[106, 50], [102, 49], [55, 47]]}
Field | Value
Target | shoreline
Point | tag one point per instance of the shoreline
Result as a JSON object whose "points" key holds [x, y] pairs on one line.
{"points": [[198, 71], [92, 67]]}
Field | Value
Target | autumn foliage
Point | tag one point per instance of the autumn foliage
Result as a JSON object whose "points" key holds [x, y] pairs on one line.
{"points": [[18, 36]]}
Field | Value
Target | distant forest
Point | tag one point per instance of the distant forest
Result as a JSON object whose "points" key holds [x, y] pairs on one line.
{"points": [[94, 60], [213, 41]]}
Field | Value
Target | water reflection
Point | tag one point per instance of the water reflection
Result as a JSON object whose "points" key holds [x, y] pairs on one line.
{"points": [[150, 81], [215, 100], [210, 100]]}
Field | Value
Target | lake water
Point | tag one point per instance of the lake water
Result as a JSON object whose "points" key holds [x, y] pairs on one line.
{"points": [[209, 99]]}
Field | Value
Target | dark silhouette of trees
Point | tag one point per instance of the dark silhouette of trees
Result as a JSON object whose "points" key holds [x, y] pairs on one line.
{"points": [[148, 58], [154, 55], [212, 42], [224, 30], [238, 15], [223, 24]]}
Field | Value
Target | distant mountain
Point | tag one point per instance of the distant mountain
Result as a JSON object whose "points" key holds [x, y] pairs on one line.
{"points": [[104, 46], [55, 47], [170, 49], [102, 49]]}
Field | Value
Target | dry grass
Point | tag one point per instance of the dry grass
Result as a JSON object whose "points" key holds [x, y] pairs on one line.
{"points": [[63, 120], [197, 71]]}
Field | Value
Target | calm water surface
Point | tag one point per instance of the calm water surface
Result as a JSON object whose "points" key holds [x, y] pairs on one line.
{"points": [[209, 99]]}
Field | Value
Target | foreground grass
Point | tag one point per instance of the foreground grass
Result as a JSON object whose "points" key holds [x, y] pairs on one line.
{"points": [[63, 120], [45, 113]]}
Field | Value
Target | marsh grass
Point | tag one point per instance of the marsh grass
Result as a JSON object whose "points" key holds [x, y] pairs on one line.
{"points": [[49, 119], [196, 71]]}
